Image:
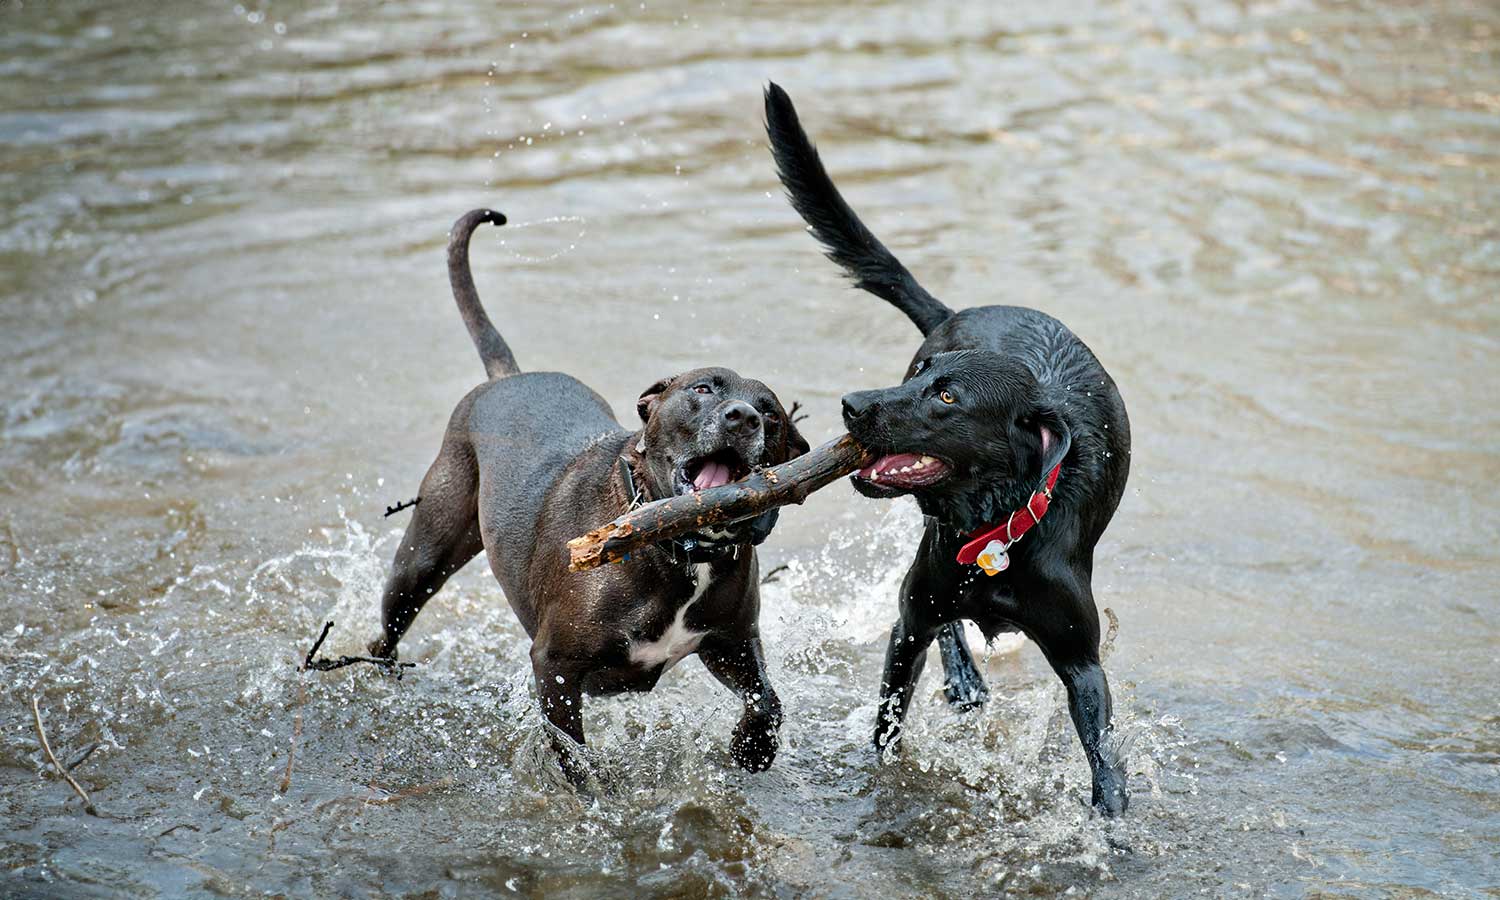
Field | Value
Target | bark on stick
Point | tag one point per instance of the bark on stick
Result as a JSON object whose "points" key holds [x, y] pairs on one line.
{"points": [[762, 491]]}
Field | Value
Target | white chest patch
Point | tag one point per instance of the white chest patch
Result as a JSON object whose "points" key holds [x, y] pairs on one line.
{"points": [[677, 640]]}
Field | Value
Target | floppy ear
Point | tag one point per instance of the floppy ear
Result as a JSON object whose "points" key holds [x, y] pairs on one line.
{"points": [[793, 443], [1039, 441], [1055, 440], [650, 395], [796, 444]]}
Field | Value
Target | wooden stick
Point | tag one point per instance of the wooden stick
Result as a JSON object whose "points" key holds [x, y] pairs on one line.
{"points": [[762, 491], [419, 790], [328, 665], [291, 753], [41, 733], [81, 757]]}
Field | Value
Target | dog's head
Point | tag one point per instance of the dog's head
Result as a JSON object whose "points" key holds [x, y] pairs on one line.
{"points": [[967, 433], [707, 428]]}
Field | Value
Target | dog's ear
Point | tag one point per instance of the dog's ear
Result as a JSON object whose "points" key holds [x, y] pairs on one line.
{"points": [[796, 444], [1055, 440], [1039, 440], [650, 395], [793, 444]]}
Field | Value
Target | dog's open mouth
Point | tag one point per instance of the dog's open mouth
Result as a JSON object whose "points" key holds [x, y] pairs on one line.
{"points": [[715, 470], [904, 472]]}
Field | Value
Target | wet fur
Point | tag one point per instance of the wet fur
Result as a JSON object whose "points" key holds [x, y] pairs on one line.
{"points": [[531, 459], [1022, 370]]}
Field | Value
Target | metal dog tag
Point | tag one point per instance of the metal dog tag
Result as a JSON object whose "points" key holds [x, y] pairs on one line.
{"points": [[993, 559]]}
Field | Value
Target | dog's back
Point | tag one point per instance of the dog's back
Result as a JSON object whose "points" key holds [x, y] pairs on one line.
{"points": [[526, 430]]}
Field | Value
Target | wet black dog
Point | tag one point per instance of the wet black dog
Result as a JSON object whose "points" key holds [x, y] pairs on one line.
{"points": [[532, 459], [1005, 424]]}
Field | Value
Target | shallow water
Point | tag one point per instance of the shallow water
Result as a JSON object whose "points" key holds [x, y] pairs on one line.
{"points": [[227, 343]]}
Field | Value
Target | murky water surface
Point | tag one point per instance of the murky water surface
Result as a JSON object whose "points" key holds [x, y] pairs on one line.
{"points": [[226, 343]]}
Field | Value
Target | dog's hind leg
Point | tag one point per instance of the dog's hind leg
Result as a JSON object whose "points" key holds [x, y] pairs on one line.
{"points": [[443, 535], [963, 684], [740, 665]]}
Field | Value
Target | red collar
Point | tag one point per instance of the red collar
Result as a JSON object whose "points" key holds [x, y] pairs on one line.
{"points": [[1017, 524]]}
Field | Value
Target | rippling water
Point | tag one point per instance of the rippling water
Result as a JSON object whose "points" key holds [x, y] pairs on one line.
{"points": [[226, 343]]}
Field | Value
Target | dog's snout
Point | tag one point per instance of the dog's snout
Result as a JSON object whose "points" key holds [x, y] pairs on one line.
{"points": [[858, 405], [739, 416]]}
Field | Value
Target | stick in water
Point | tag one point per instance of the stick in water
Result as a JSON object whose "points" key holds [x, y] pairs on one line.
{"points": [[762, 491], [41, 735], [328, 665]]}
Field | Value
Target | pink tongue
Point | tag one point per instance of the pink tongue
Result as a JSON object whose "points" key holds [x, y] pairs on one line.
{"points": [[889, 463], [713, 475]]}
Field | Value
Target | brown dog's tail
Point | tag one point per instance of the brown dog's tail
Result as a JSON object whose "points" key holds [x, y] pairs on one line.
{"points": [[493, 351], [844, 237]]}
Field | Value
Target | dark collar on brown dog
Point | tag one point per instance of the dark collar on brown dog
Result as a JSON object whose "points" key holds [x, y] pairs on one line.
{"points": [[635, 495], [687, 550]]}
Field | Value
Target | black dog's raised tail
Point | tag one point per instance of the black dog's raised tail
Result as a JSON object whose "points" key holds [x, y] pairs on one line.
{"points": [[844, 237], [493, 351]]}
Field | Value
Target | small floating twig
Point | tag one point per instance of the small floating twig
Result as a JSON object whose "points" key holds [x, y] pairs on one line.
{"points": [[291, 753], [406, 504], [328, 665], [87, 752], [417, 791], [41, 733], [1107, 645], [772, 575]]}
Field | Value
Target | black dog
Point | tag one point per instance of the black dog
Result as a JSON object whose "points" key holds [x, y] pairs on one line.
{"points": [[1005, 424], [531, 460]]}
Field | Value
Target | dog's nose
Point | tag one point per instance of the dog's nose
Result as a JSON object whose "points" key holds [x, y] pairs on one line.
{"points": [[739, 415], [858, 405]]}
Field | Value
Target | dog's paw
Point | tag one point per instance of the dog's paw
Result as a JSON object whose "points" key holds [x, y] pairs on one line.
{"points": [[1110, 796], [379, 649], [887, 741], [754, 744], [966, 695]]}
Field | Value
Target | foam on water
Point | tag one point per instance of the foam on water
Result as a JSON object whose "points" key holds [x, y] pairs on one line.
{"points": [[1001, 793], [1005, 789], [224, 296]]}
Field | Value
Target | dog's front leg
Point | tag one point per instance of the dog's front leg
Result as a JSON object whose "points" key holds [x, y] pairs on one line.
{"points": [[739, 664], [559, 688], [905, 658], [927, 603]]}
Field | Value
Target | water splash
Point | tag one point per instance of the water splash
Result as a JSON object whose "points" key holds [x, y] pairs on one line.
{"points": [[550, 220]]}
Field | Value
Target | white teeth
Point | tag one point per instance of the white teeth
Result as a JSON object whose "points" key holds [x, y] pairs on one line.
{"points": [[919, 464], [875, 475], [907, 469], [927, 459]]}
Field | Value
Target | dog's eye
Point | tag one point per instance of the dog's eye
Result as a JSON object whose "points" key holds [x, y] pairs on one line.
{"points": [[947, 397], [703, 389]]}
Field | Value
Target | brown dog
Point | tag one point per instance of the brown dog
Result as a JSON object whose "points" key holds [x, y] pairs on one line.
{"points": [[532, 459]]}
